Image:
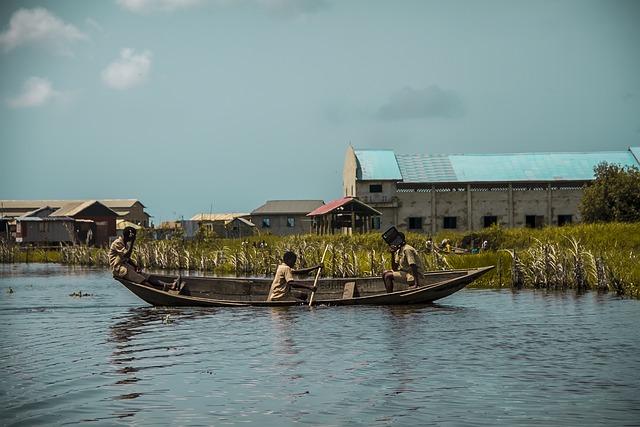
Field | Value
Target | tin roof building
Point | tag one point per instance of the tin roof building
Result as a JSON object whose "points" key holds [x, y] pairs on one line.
{"points": [[432, 192]]}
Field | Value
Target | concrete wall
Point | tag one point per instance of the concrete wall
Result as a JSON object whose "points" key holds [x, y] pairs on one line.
{"points": [[469, 204], [279, 224]]}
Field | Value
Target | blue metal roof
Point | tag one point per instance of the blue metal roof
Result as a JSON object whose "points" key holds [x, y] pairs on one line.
{"points": [[377, 165], [535, 166], [426, 168], [418, 168]]}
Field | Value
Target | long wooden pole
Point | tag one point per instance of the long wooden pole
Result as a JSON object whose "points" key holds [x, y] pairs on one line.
{"points": [[315, 282]]}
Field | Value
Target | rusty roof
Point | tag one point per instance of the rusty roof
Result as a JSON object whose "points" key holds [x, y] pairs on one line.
{"points": [[226, 217], [347, 204]]}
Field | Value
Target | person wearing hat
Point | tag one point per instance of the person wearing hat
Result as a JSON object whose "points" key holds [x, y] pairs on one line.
{"points": [[408, 268]]}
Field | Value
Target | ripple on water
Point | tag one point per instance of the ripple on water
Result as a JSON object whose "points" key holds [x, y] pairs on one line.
{"points": [[477, 358]]}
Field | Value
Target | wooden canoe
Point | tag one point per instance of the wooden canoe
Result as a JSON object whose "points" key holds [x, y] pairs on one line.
{"points": [[243, 292]]}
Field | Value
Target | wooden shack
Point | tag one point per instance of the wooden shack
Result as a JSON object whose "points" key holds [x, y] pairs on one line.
{"points": [[344, 216]]}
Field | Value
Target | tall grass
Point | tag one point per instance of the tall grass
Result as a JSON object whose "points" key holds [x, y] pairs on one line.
{"points": [[602, 257]]}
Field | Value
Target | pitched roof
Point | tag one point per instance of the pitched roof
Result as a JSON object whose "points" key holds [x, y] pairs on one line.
{"points": [[377, 164], [226, 217], [110, 203], [347, 203], [12, 208], [71, 209], [283, 207], [418, 168]]}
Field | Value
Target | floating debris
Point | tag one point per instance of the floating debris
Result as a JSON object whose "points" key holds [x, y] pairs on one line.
{"points": [[79, 294]]}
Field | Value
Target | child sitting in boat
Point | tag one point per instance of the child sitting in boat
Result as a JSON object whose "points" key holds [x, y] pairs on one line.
{"points": [[281, 288]]}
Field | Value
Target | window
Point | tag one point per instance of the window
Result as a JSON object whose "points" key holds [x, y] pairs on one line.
{"points": [[450, 222], [375, 188], [490, 220], [534, 221], [415, 223], [565, 219], [266, 223], [291, 222], [375, 223]]}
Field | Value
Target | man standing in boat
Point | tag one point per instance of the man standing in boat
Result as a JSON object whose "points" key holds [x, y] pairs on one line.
{"points": [[124, 267], [281, 288], [408, 268]]}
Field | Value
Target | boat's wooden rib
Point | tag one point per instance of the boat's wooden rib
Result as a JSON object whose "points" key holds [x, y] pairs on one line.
{"points": [[235, 292]]}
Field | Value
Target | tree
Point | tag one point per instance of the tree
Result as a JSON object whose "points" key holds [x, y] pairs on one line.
{"points": [[614, 195]]}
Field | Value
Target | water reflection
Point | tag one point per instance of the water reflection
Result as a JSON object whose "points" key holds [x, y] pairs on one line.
{"points": [[135, 347], [282, 322]]}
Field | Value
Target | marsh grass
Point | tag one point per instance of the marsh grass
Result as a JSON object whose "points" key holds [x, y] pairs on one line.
{"points": [[601, 257]]}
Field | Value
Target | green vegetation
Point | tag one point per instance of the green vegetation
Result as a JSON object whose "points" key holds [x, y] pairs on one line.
{"points": [[614, 195], [601, 257]]}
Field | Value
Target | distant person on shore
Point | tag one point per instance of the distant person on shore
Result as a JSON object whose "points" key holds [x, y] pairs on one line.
{"points": [[124, 267], [407, 269], [281, 288]]}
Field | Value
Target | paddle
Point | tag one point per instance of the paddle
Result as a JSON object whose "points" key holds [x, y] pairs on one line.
{"points": [[315, 282]]}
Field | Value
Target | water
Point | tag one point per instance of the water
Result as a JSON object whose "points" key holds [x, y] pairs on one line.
{"points": [[478, 358]]}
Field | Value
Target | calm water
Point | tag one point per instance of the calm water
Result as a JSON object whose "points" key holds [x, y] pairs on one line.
{"points": [[477, 358]]}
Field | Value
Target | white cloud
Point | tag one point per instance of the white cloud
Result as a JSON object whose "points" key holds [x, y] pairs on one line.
{"points": [[41, 28], [129, 70], [36, 91], [145, 6]]}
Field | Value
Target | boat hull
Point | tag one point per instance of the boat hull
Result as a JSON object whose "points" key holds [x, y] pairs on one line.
{"points": [[235, 292]]}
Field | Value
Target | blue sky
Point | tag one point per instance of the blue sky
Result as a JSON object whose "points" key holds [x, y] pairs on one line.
{"points": [[197, 106]]}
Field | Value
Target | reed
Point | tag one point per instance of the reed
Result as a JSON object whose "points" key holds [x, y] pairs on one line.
{"points": [[602, 257]]}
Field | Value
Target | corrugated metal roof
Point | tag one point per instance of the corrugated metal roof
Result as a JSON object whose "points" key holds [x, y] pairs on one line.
{"points": [[535, 166], [34, 204], [71, 209], [40, 219], [218, 217], [288, 207], [335, 204], [12, 208], [426, 168], [246, 222], [416, 168], [330, 206], [377, 165]]}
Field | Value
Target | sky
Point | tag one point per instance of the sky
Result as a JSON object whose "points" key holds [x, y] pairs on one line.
{"points": [[218, 106]]}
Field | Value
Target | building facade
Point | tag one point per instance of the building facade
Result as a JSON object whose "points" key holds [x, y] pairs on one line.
{"points": [[285, 217], [432, 193], [131, 210]]}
